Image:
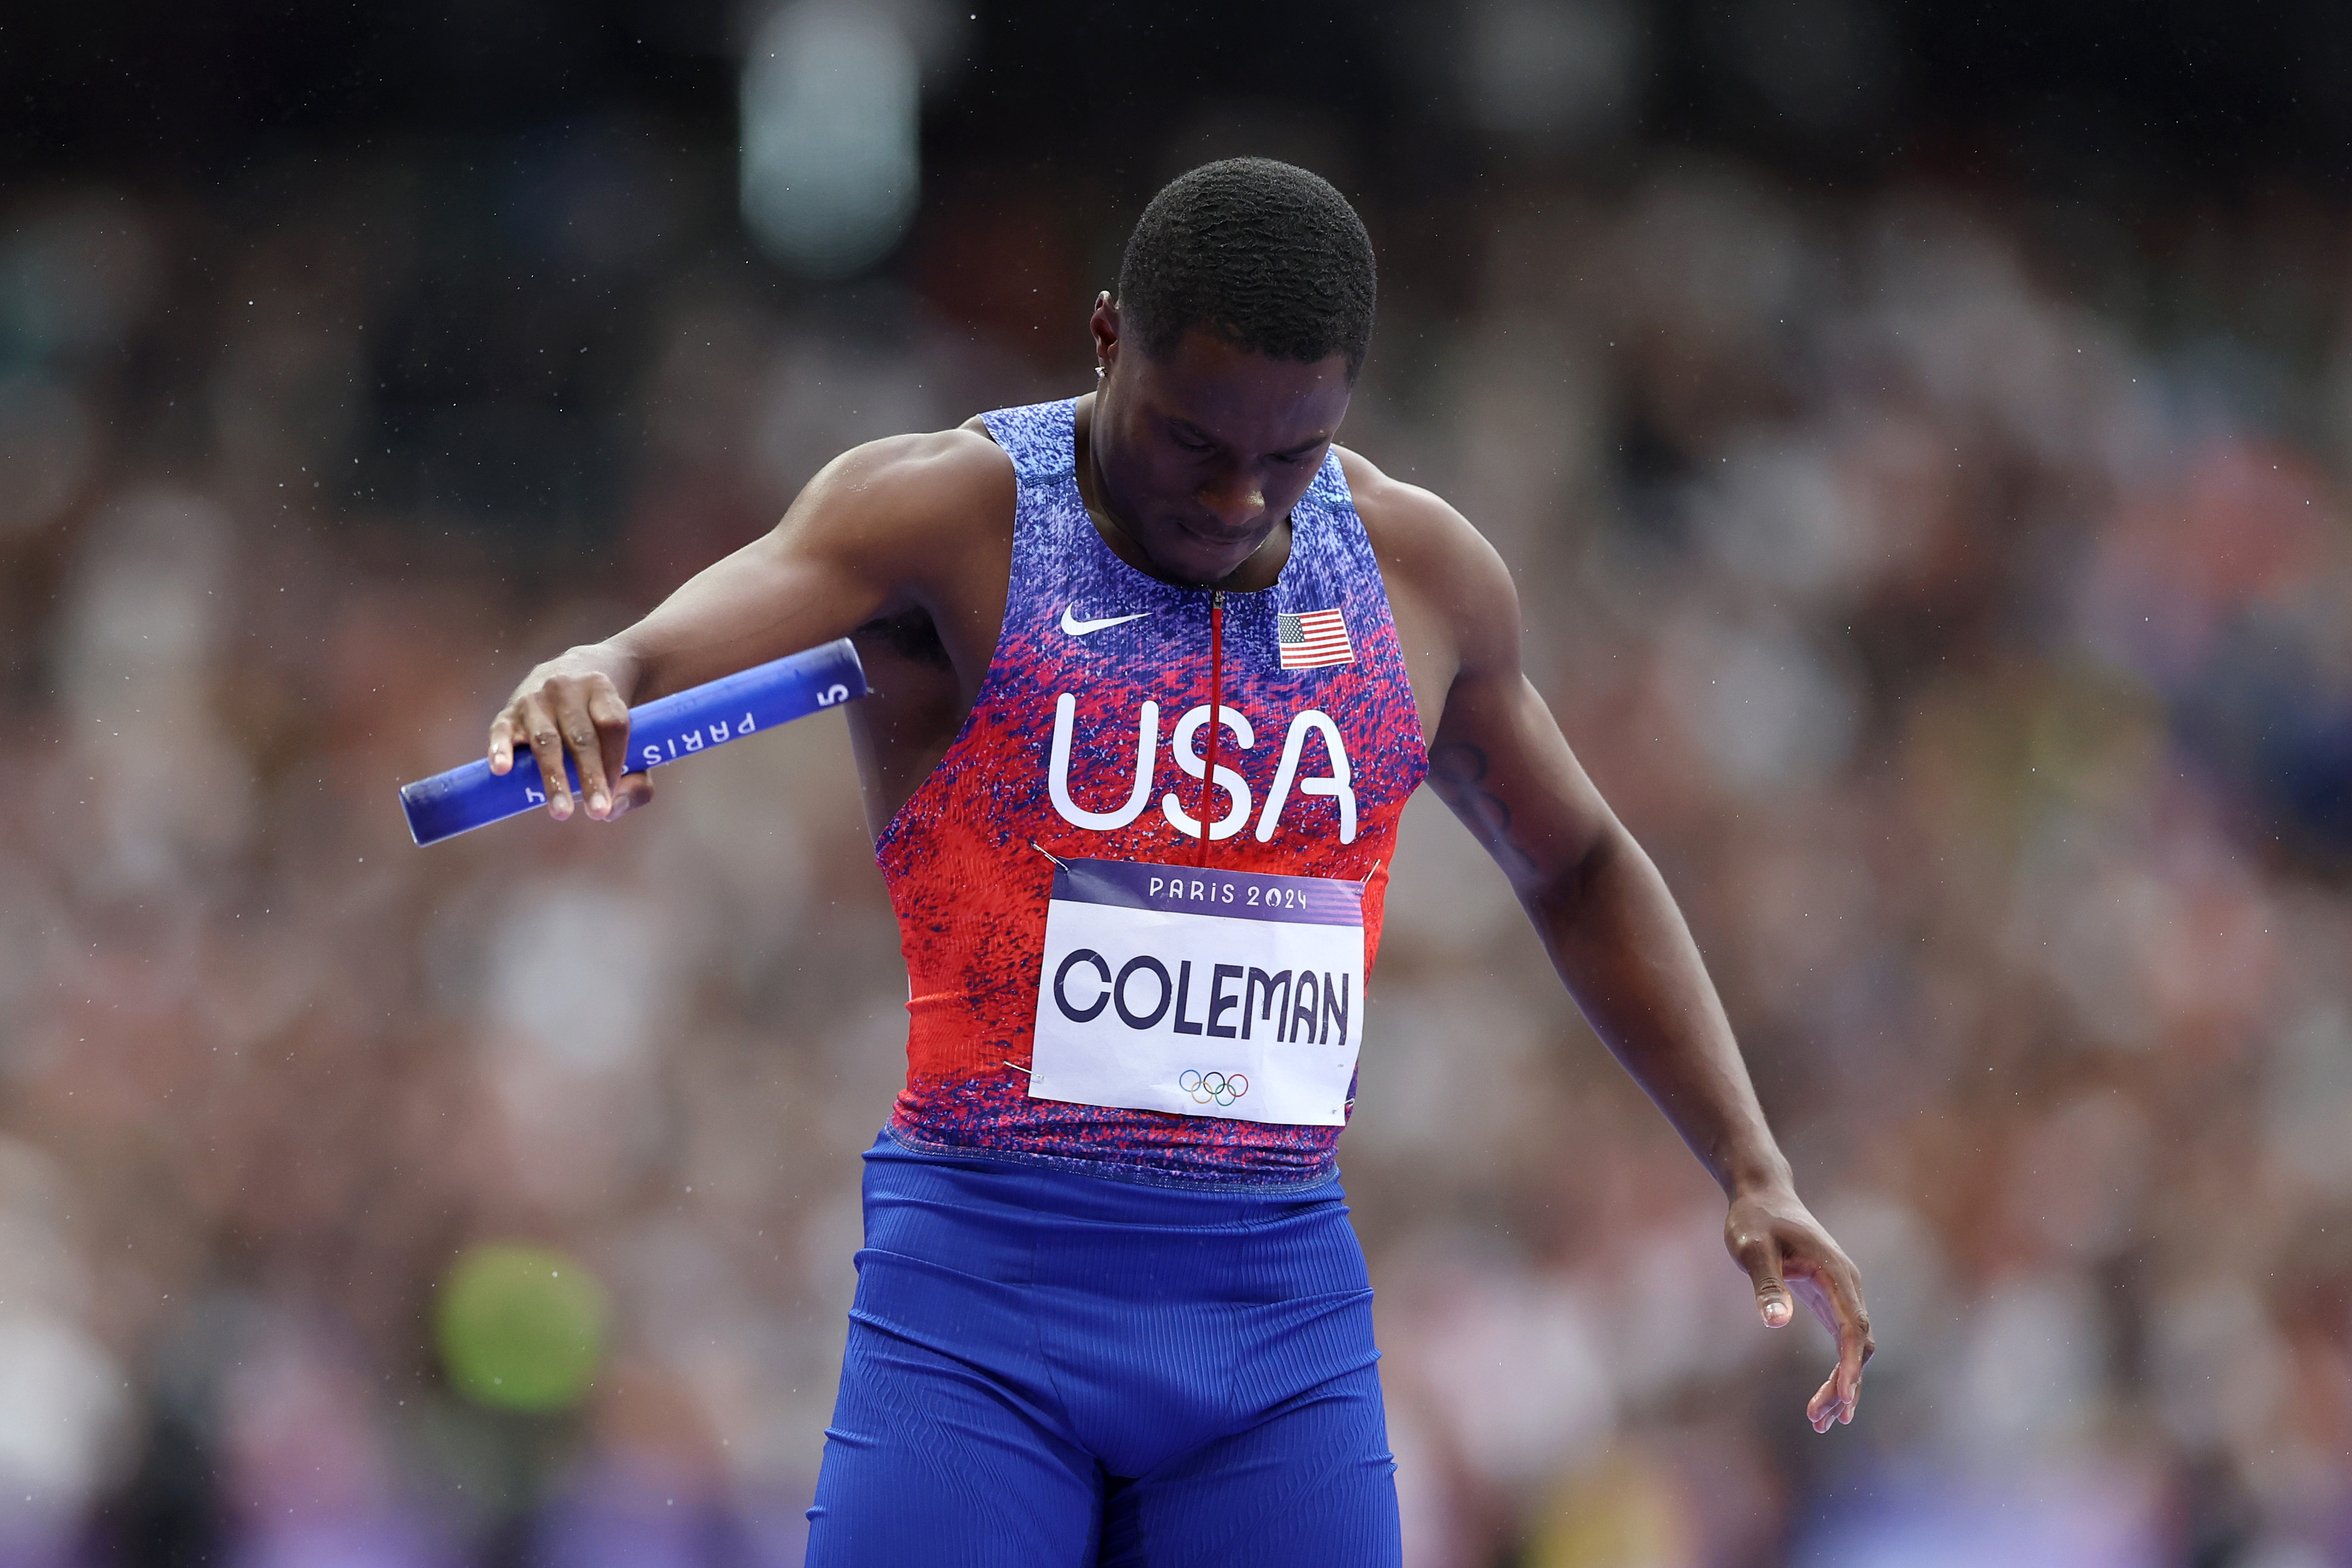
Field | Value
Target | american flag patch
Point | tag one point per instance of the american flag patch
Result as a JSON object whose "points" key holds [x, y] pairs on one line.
{"points": [[1313, 637]]}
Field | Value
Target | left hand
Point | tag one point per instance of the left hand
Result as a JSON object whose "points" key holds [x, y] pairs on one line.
{"points": [[1773, 1236]]}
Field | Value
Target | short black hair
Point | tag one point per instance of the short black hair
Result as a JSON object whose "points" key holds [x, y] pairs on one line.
{"points": [[1267, 254]]}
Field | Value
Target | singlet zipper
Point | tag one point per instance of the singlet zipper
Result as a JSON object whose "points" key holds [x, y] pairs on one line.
{"points": [[1216, 722]]}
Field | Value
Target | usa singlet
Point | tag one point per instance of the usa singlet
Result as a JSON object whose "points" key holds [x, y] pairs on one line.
{"points": [[1091, 986]]}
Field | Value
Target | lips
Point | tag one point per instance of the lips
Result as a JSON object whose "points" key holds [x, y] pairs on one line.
{"points": [[1220, 538]]}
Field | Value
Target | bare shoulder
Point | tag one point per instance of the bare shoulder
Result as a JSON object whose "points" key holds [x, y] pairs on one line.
{"points": [[907, 510], [1414, 527], [936, 475], [1432, 557]]}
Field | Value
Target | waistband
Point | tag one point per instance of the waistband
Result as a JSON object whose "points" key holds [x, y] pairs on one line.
{"points": [[960, 1252], [1123, 1190]]}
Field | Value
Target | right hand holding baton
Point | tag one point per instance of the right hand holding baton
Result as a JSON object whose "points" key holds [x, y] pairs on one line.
{"points": [[659, 732]]}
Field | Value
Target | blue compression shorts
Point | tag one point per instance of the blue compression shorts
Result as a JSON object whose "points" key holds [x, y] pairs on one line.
{"points": [[1050, 1370]]}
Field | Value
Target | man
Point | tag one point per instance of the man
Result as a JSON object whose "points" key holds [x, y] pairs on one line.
{"points": [[1156, 670]]}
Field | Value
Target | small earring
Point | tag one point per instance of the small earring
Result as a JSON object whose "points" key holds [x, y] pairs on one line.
{"points": [[1098, 371]]}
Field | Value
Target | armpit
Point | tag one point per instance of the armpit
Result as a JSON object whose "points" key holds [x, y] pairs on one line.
{"points": [[909, 635]]}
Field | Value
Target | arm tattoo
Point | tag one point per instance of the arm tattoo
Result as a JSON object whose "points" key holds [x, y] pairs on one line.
{"points": [[1457, 772]]}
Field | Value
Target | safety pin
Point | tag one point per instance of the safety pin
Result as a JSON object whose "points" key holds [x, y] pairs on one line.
{"points": [[1049, 855]]}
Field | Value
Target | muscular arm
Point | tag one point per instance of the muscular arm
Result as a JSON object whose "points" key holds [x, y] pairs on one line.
{"points": [[1606, 919], [1604, 915], [879, 529]]}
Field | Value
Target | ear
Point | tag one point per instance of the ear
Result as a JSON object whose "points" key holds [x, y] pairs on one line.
{"points": [[1104, 324]]}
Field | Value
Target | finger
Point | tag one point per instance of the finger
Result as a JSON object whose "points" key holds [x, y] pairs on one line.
{"points": [[610, 715], [1824, 1408], [1759, 1254], [1834, 1289], [581, 738], [546, 751], [1855, 1343], [1840, 1284], [505, 731], [633, 791]]}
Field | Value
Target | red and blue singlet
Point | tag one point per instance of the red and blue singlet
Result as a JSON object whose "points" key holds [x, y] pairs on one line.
{"points": [[1089, 742]]}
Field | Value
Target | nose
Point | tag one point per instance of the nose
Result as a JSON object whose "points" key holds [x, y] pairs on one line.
{"points": [[1236, 498]]}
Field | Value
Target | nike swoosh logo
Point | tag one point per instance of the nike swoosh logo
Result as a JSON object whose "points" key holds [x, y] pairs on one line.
{"points": [[1078, 629]]}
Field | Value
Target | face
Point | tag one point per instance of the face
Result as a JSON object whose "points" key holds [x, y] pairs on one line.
{"points": [[1201, 455]]}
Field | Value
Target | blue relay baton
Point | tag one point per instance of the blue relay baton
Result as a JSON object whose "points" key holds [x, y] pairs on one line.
{"points": [[660, 731]]}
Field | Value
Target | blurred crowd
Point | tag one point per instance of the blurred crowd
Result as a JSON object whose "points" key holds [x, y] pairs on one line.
{"points": [[1956, 600]]}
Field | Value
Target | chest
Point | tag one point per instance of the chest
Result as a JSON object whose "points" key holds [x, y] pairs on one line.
{"points": [[929, 663]]}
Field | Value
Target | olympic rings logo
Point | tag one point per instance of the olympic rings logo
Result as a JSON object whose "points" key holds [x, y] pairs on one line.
{"points": [[1213, 1088]]}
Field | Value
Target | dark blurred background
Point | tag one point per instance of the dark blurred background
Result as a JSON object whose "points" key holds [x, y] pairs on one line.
{"points": [[1918, 430]]}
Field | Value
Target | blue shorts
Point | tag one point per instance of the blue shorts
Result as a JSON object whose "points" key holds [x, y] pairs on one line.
{"points": [[1049, 1370]]}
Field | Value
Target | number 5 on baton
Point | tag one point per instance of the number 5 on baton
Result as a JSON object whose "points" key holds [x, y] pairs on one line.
{"points": [[660, 731]]}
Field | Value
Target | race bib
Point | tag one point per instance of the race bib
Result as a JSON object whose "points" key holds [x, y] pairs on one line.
{"points": [[1203, 993]]}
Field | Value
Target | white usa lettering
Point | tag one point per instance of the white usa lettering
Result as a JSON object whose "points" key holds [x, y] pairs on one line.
{"points": [[1057, 768], [1232, 783], [1183, 741], [1311, 722]]}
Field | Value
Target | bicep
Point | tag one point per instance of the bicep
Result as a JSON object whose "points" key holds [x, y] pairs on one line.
{"points": [[843, 554], [1497, 756], [768, 599], [1501, 764]]}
